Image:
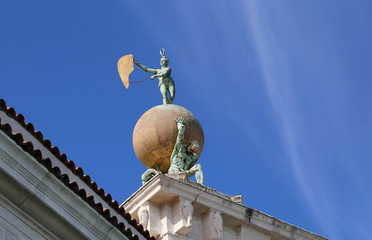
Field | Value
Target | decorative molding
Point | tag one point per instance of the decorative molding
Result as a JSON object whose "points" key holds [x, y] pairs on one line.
{"points": [[143, 216], [187, 211]]}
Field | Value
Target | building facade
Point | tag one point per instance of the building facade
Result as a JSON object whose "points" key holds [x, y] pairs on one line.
{"points": [[172, 207], [43, 195]]}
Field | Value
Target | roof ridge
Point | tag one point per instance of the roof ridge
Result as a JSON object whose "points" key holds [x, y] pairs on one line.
{"points": [[78, 171]]}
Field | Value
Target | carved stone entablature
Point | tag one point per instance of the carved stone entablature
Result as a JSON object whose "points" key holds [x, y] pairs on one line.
{"points": [[213, 223], [149, 217], [245, 233], [191, 211], [182, 216]]}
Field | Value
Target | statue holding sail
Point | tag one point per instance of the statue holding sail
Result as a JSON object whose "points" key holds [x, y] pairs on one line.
{"points": [[166, 83], [167, 139]]}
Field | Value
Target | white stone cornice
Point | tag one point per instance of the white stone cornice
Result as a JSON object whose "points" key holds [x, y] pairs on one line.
{"points": [[46, 200], [161, 189]]}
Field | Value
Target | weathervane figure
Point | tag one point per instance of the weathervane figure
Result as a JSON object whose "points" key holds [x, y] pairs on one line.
{"points": [[166, 83]]}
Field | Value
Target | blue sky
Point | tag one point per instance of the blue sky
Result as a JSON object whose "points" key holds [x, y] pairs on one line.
{"points": [[281, 88]]}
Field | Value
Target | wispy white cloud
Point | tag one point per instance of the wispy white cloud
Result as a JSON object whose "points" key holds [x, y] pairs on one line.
{"points": [[281, 80]]}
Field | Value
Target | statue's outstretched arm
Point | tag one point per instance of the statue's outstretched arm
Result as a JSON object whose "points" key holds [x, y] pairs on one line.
{"points": [[144, 68], [180, 136]]}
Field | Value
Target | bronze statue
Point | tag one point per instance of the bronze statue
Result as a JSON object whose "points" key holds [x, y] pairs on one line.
{"points": [[157, 146], [166, 83], [184, 157], [146, 176]]}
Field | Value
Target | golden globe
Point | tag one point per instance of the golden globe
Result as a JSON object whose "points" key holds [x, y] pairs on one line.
{"points": [[155, 134]]}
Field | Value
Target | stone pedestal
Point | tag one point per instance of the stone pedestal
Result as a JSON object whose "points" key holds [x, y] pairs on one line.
{"points": [[179, 176]]}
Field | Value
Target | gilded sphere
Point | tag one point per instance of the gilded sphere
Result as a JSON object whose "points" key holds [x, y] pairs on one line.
{"points": [[156, 132]]}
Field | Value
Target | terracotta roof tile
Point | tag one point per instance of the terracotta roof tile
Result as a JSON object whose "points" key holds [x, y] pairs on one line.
{"points": [[47, 143], [29, 127], [56, 152], [39, 135], [93, 185], [90, 200], [2, 104], [47, 163], [79, 171], [115, 205], [56, 171], [27, 146], [20, 119], [82, 193], [101, 193], [11, 112], [64, 178], [86, 179], [71, 165], [106, 214], [63, 158], [36, 153], [7, 129], [18, 138], [73, 186]]}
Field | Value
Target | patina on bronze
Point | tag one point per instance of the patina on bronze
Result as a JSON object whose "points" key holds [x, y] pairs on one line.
{"points": [[155, 135], [166, 83], [184, 157]]}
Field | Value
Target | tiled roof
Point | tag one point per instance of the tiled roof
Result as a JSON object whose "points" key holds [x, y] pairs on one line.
{"points": [[78, 171]]}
